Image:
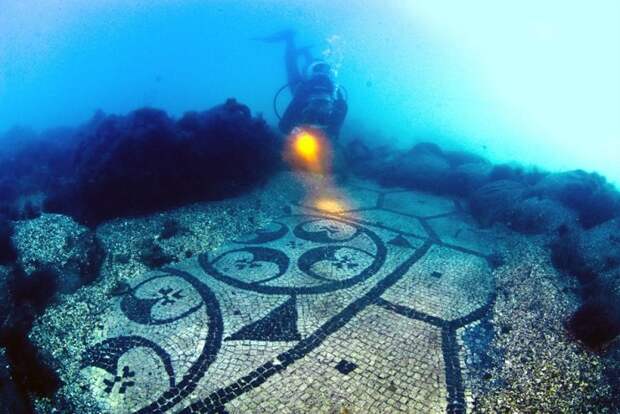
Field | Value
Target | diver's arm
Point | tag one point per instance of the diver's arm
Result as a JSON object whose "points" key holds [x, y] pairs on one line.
{"points": [[286, 122], [292, 116]]}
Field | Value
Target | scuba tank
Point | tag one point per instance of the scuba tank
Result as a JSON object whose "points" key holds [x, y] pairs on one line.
{"points": [[317, 101], [318, 105]]}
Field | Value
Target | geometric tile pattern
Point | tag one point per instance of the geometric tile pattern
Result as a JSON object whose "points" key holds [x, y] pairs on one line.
{"points": [[424, 205], [355, 311], [440, 284], [460, 231], [405, 374]]}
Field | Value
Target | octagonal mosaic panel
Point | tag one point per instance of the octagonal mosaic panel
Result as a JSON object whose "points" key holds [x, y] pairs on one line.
{"points": [[313, 313]]}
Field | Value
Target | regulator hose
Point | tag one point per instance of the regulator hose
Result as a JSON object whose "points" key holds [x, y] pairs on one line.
{"points": [[275, 99]]}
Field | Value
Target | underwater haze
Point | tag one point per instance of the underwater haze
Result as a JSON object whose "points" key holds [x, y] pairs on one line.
{"points": [[267, 206], [528, 81]]}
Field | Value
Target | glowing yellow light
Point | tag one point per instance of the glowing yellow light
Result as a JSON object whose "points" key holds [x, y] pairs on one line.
{"points": [[329, 205], [308, 150], [306, 146]]}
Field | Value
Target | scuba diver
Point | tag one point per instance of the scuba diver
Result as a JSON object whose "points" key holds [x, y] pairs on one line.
{"points": [[318, 102]]}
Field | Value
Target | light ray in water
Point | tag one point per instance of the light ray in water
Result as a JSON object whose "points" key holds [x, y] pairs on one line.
{"points": [[308, 150]]}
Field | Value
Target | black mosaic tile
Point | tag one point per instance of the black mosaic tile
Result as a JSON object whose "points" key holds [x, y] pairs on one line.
{"points": [[400, 241], [279, 325], [321, 235], [265, 235], [345, 367], [107, 354], [313, 341]]}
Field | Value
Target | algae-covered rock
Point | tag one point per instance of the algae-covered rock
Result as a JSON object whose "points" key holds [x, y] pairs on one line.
{"points": [[10, 401], [592, 257], [147, 161], [536, 215], [595, 200], [423, 168], [58, 242], [457, 158], [596, 322], [468, 177], [5, 300], [7, 250], [365, 161], [496, 201], [600, 246], [534, 358]]}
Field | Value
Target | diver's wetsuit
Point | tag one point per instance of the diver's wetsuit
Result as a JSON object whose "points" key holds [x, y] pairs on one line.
{"points": [[310, 93], [316, 100]]}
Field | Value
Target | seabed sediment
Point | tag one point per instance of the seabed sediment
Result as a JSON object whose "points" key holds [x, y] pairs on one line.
{"points": [[396, 302]]}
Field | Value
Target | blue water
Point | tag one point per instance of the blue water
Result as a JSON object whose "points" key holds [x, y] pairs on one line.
{"points": [[528, 81]]}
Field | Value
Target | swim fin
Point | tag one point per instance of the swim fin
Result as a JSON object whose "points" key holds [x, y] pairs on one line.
{"points": [[281, 36]]}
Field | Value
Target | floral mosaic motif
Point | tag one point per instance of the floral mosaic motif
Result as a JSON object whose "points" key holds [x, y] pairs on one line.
{"points": [[252, 264], [245, 263], [169, 296], [337, 263], [294, 244], [183, 366], [331, 229], [344, 265], [323, 230], [271, 233], [344, 262], [125, 380], [143, 303]]}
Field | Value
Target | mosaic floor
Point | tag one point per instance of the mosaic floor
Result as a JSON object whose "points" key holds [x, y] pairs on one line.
{"points": [[368, 310]]}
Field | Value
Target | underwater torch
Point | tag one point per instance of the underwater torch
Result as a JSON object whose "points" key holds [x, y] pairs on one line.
{"points": [[308, 150]]}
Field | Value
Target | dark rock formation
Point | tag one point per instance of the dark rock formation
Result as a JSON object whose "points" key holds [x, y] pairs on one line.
{"points": [[24, 296], [84, 264], [7, 250], [600, 246], [10, 399], [29, 371], [575, 209], [146, 161], [34, 291], [593, 258], [595, 323], [495, 201], [589, 194], [154, 256], [466, 178], [368, 162], [536, 215], [457, 158], [423, 167]]}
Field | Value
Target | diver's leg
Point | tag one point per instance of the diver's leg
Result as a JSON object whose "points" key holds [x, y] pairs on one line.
{"points": [[280, 36], [291, 54], [307, 55]]}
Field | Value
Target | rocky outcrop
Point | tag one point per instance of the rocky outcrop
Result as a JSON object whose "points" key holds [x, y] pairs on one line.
{"points": [[147, 161], [574, 209]]}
